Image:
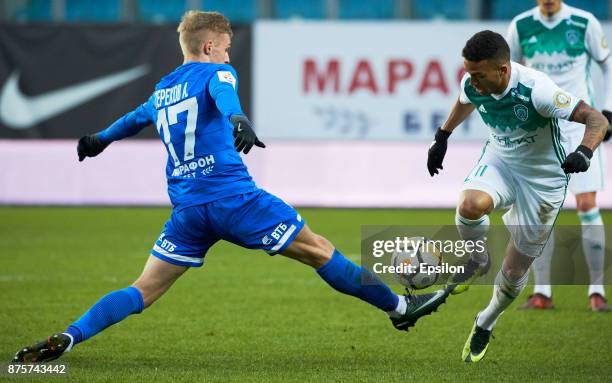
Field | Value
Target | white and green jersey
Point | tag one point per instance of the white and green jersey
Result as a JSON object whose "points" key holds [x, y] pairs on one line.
{"points": [[562, 46], [523, 120]]}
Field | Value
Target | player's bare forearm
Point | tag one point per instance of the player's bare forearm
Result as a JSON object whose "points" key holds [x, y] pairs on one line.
{"points": [[458, 114], [596, 125]]}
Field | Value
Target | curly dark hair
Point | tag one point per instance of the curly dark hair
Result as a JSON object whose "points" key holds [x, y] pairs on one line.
{"points": [[486, 45]]}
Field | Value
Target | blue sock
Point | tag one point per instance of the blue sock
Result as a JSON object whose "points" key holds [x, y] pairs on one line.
{"points": [[110, 309], [346, 277]]}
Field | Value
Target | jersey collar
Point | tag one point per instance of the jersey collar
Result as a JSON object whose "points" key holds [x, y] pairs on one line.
{"points": [[554, 20], [511, 84]]}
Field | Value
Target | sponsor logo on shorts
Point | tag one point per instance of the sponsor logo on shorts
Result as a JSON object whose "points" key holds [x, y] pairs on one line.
{"points": [[276, 234], [165, 244]]}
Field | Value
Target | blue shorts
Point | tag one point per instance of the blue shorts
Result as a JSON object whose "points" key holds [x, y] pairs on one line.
{"points": [[256, 220]]}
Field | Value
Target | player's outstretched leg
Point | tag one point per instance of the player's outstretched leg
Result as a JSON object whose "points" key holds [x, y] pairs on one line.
{"points": [[509, 283], [155, 280], [473, 223], [349, 278]]}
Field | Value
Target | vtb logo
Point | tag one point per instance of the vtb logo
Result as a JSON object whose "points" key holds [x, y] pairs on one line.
{"points": [[276, 234]]}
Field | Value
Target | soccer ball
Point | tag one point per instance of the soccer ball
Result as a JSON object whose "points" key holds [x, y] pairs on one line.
{"points": [[418, 267]]}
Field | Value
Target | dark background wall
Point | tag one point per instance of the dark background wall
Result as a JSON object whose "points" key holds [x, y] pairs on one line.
{"points": [[51, 57]]}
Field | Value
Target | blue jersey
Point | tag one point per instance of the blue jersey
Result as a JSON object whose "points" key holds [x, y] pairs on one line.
{"points": [[191, 108]]}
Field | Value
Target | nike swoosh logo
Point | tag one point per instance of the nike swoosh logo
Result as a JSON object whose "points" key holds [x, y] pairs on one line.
{"points": [[18, 111], [419, 312], [438, 295]]}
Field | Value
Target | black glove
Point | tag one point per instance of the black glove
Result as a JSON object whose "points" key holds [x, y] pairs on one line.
{"points": [[244, 135], [577, 161], [90, 146], [608, 115], [437, 150]]}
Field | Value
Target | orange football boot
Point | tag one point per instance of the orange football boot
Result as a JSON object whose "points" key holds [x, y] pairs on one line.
{"points": [[538, 301], [598, 303]]}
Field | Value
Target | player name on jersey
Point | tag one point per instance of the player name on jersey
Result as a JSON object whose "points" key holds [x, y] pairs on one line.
{"points": [[169, 96]]}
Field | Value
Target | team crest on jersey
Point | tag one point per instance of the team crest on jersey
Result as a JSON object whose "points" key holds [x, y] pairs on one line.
{"points": [[604, 43], [521, 112], [572, 36], [561, 99]]}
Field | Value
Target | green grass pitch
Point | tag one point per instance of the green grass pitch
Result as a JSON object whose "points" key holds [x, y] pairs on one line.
{"points": [[246, 316]]}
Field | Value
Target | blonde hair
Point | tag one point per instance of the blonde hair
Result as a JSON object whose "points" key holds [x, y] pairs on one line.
{"points": [[194, 26]]}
